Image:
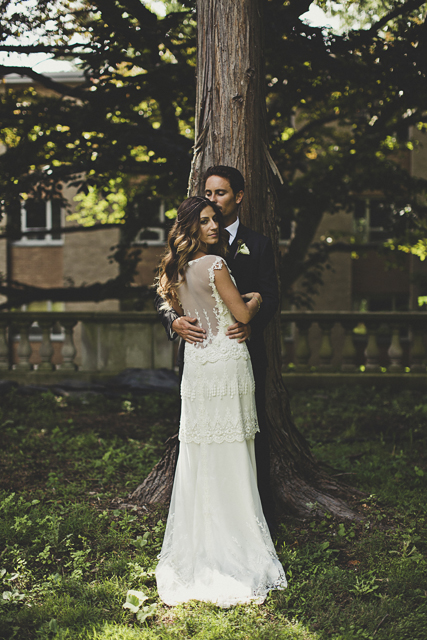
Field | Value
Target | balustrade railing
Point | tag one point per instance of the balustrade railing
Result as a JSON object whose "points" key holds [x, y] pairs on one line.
{"points": [[374, 342], [82, 341], [322, 342]]}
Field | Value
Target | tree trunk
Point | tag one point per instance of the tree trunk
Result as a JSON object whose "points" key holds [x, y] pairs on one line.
{"points": [[231, 130]]}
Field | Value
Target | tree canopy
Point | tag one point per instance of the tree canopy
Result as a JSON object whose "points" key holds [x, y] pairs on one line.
{"points": [[340, 106]]}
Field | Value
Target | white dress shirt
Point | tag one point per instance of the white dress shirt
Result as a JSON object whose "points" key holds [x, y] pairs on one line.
{"points": [[232, 230]]}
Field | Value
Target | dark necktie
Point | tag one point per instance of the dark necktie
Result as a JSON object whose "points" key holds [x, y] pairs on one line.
{"points": [[232, 252]]}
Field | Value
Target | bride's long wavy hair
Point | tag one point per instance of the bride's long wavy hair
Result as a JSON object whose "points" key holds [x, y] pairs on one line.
{"points": [[183, 242]]}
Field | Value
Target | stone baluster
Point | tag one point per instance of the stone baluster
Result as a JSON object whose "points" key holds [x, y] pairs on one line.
{"points": [[302, 351], [348, 361], [418, 351], [325, 351], [395, 351], [68, 349], [4, 346], [24, 347], [372, 352], [46, 348]]}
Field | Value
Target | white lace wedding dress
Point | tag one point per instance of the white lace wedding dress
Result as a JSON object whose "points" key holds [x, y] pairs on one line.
{"points": [[217, 546]]}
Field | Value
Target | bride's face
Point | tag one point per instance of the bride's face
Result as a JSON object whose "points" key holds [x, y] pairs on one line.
{"points": [[209, 227]]}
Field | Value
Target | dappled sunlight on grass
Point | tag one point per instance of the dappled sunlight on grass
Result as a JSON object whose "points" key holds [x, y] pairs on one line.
{"points": [[208, 623], [70, 550]]}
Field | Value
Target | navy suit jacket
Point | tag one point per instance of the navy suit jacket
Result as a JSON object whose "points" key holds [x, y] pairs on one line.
{"points": [[253, 272]]}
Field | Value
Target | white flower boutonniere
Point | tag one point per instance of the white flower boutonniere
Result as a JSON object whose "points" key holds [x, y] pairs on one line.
{"points": [[242, 248]]}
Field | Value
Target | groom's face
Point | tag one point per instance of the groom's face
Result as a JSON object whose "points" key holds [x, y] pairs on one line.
{"points": [[218, 190]]}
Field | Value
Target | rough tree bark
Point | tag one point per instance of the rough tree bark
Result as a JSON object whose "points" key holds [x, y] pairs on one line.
{"points": [[231, 129]]}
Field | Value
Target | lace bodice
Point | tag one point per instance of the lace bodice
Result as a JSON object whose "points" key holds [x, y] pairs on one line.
{"points": [[199, 297], [217, 387]]}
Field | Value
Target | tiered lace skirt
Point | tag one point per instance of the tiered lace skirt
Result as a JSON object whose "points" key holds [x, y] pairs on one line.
{"points": [[217, 546]]}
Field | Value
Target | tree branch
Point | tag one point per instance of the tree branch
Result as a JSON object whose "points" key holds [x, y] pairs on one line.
{"points": [[19, 293], [112, 16], [299, 133], [299, 7], [57, 87], [139, 11], [402, 9], [43, 48]]}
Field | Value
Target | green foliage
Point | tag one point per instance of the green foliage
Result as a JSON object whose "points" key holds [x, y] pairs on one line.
{"points": [[134, 110], [373, 431], [358, 13], [110, 450], [339, 113], [92, 207], [340, 106], [78, 562]]}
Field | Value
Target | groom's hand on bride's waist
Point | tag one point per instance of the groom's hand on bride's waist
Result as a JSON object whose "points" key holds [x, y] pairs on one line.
{"points": [[239, 331], [186, 328]]}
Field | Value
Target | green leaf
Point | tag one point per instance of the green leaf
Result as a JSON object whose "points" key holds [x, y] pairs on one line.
{"points": [[134, 600], [141, 541], [131, 607], [324, 545], [53, 626], [146, 612]]}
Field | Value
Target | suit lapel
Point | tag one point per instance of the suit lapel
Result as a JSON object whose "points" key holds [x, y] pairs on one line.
{"points": [[232, 252], [241, 233], [238, 263], [233, 248], [240, 237]]}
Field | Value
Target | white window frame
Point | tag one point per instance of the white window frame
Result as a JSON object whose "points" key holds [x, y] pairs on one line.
{"points": [[367, 217], [159, 230], [28, 241], [285, 242]]}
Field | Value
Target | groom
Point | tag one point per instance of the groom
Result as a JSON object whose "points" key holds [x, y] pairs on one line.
{"points": [[251, 262]]}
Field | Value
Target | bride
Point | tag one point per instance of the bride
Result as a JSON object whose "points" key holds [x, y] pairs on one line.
{"points": [[217, 546]]}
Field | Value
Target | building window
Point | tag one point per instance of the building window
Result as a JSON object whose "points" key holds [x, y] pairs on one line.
{"points": [[372, 220], [287, 230], [153, 235], [286, 227], [44, 218]]}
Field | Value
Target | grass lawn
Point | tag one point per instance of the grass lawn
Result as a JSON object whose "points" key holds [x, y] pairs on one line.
{"points": [[70, 548]]}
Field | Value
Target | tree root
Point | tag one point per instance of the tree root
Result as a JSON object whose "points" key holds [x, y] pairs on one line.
{"points": [[157, 487]]}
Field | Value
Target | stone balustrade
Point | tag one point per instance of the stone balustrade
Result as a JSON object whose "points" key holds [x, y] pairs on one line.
{"points": [[349, 342], [58, 344], [69, 342]]}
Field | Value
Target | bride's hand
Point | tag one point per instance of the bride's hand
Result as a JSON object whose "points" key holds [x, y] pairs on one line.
{"points": [[253, 294]]}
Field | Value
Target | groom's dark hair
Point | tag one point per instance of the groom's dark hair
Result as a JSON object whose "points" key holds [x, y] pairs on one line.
{"points": [[233, 175]]}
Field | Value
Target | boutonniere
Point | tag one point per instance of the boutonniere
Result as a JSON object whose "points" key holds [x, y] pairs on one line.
{"points": [[242, 248]]}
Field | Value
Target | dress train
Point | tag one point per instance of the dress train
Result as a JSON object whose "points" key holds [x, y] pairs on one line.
{"points": [[217, 546]]}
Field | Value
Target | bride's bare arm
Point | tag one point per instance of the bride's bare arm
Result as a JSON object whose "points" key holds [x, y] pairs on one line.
{"points": [[177, 307], [242, 311]]}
